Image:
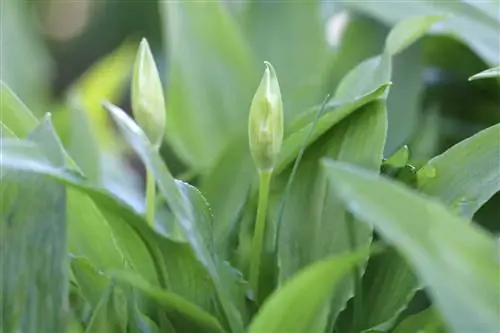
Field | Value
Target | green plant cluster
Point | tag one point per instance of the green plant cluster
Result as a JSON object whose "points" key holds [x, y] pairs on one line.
{"points": [[334, 237]]}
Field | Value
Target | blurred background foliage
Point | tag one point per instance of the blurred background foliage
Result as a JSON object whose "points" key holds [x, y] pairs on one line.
{"points": [[65, 57]]}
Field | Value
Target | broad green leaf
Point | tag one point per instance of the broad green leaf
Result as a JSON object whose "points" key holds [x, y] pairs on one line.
{"points": [[365, 77], [407, 31], [238, 178], [182, 208], [208, 58], [34, 282], [443, 260], [300, 66], [91, 232], [489, 73], [176, 265], [15, 115], [88, 232], [389, 285], [298, 305], [426, 321], [467, 175], [477, 28], [172, 302], [358, 139], [302, 125], [477, 178]]}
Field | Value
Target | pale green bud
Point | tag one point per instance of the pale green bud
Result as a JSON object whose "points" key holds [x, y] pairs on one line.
{"points": [[148, 103], [265, 126]]}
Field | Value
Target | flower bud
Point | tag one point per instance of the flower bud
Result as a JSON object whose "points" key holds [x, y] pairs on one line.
{"points": [[265, 126], [148, 103]]}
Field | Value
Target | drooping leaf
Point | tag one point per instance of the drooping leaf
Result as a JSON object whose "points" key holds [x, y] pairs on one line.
{"points": [[419, 228], [182, 209], [489, 73], [298, 306], [205, 43]]}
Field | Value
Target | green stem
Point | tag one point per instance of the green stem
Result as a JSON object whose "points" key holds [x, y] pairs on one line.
{"points": [[150, 197], [260, 229]]}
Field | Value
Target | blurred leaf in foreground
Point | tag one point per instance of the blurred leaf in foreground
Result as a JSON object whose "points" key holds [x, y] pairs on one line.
{"points": [[33, 254], [419, 228]]}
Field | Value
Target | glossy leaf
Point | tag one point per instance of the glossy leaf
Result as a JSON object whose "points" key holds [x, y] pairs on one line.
{"points": [[204, 43], [290, 309], [489, 73], [442, 260]]}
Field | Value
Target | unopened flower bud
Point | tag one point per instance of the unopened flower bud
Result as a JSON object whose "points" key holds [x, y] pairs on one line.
{"points": [[265, 126], [148, 103]]}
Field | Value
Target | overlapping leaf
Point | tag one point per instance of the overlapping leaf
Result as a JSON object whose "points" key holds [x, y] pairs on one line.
{"points": [[419, 229]]}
